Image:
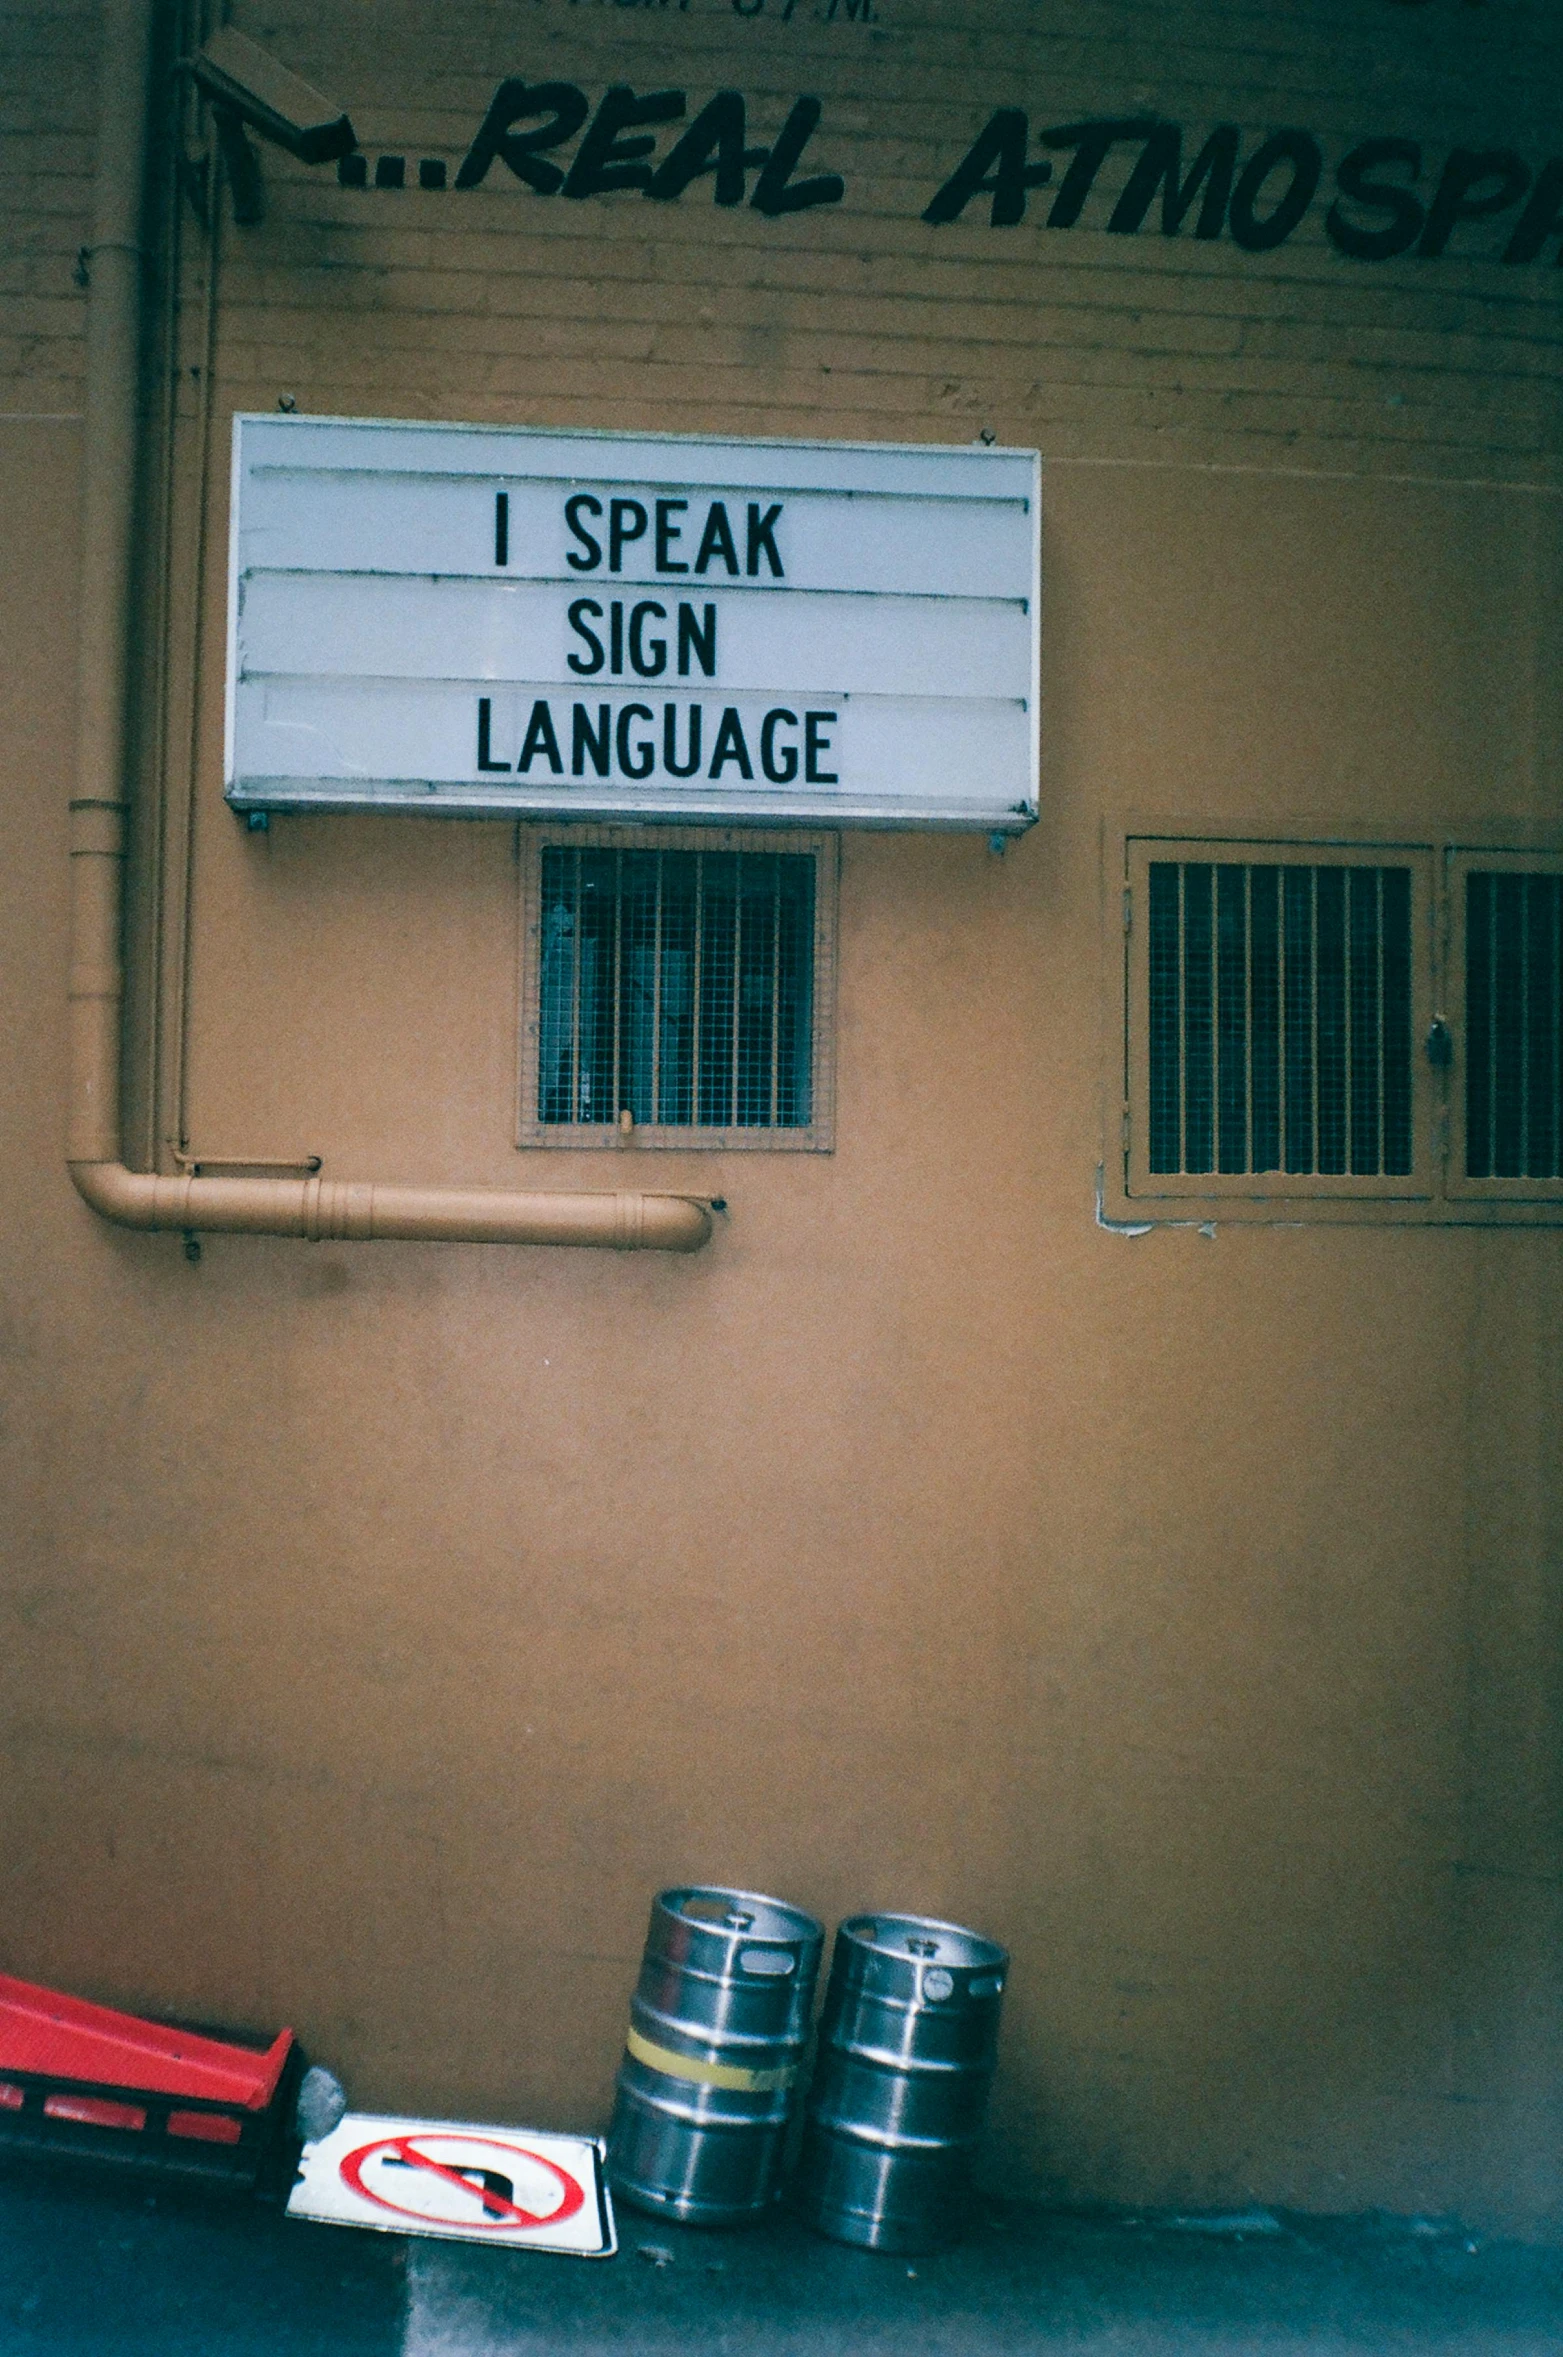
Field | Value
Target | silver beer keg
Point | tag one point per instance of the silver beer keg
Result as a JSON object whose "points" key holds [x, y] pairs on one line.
{"points": [[907, 2046], [719, 2024]]}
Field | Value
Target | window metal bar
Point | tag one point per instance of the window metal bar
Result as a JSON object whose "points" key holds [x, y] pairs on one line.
{"points": [[655, 1105], [1478, 1012], [575, 996], [1523, 996], [776, 948], [1555, 1167], [810, 1065], [1213, 986], [1348, 961], [1313, 1007], [617, 1099], [738, 968], [1491, 1012], [1283, 1033], [1348, 991], [1248, 1000], [697, 1004], [1197, 984], [1358, 1085], [1477, 1008], [1380, 1147], [1190, 1070], [1183, 1018], [1191, 991]]}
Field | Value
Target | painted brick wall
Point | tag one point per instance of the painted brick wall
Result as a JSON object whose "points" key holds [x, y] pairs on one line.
{"points": [[48, 105], [860, 318]]}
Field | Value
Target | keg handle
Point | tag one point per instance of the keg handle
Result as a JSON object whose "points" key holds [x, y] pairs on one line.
{"points": [[771, 1963]]}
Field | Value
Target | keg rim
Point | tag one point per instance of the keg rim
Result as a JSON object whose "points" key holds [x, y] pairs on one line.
{"points": [[974, 1951], [790, 1926]]}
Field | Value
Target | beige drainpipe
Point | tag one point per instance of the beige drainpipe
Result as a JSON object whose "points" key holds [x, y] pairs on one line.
{"points": [[314, 1207]]}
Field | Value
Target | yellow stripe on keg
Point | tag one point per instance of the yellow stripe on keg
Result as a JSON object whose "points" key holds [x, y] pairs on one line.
{"points": [[707, 2074]]}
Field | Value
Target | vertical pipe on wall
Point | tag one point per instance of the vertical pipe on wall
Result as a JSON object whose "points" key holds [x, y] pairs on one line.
{"points": [[312, 1207], [98, 808]]}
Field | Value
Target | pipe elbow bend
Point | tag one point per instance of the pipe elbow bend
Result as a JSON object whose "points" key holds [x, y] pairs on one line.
{"points": [[127, 1197]]}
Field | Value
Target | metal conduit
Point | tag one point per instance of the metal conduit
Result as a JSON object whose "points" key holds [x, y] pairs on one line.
{"points": [[312, 1207]]}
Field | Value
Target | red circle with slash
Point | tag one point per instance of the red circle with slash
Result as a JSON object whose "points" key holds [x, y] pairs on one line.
{"points": [[499, 2212]]}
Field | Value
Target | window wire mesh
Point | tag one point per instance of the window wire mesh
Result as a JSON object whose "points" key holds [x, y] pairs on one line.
{"points": [[677, 987], [1279, 1019], [1513, 1024]]}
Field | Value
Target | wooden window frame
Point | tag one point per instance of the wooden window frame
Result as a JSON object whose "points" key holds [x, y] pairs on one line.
{"points": [[1436, 1192]]}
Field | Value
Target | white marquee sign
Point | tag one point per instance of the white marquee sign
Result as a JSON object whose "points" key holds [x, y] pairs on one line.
{"points": [[483, 619]]}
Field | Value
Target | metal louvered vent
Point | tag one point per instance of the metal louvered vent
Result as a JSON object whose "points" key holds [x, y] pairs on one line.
{"points": [[1279, 1018], [676, 987], [1513, 1024]]}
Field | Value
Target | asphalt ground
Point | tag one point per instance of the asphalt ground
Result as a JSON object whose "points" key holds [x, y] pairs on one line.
{"points": [[111, 2267]]}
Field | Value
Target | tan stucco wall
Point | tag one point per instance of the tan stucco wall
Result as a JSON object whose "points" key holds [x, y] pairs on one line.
{"points": [[384, 1623]]}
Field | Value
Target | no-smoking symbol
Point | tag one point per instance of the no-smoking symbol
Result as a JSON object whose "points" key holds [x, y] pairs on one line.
{"points": [[439, 2177]]}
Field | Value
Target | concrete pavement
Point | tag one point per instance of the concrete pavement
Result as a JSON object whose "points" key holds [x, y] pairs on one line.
{"points": [[98, 2268]]}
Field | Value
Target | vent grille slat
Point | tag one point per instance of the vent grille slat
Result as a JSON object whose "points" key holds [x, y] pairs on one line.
{"points": [[1279, 1019]]}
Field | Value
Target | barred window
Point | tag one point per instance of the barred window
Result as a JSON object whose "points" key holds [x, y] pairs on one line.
{"points": [[1279, 1018], [1340, 1031], [676, 994], [1513, 1024], [1278, 1001]]}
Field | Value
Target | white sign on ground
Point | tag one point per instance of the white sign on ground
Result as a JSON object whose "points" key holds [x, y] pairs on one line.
{"points": [[484, 619], [462, 2183]]}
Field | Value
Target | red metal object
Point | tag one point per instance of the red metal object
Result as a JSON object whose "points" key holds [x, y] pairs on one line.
{"points": [[62, 2037], [80, 2081]]}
